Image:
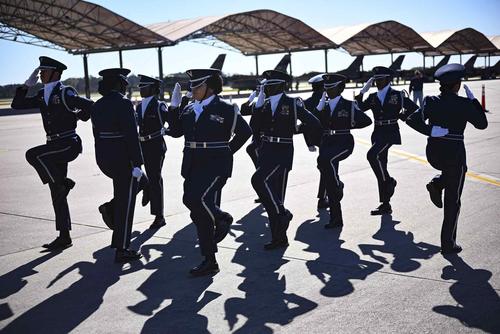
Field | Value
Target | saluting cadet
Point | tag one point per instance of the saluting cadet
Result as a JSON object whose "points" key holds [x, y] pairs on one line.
{"points": [[119, 157], [276, 118], [213, 131], [388, 105], [151, 116], [447, 116], [337, 116], [61, 108], [311, 103]]}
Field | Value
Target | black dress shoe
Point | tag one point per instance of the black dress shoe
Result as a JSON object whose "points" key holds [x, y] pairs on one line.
{"points": [[275, 244], [323, 203], [453, 250], [222, 226], [157, 223], [107, 215], [205, 268], [257, 200], [334, 224], [382, 209], [126, 255], [391, 187], [435, 194], [59, 243]]}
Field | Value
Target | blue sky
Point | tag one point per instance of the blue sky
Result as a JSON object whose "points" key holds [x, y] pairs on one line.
{"points": [[18, 60]]}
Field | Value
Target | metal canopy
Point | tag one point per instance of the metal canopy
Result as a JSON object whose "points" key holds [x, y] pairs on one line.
{"points": [[73, 25], [455, 42], [379, 38], [252, 33]]}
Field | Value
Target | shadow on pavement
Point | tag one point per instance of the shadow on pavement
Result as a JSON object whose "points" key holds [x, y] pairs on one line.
{"points": [[399, 244], [64, 311], [266, 300], [335, 266], [477, 302]]}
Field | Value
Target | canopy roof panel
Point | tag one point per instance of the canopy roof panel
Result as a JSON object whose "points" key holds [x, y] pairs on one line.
{"points": [[378, 38], [464, 41], [74, 25], [252, 33]]}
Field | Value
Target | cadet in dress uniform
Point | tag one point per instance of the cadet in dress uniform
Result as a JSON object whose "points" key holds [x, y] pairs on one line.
{"points": [[337, 116], [276, 118], [151, 115], [447, 116], [213, 131], [61, 108], [388, 105], [119, 157], [311, 103]]}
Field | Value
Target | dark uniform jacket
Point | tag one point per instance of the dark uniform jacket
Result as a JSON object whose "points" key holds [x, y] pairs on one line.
{"points": [[218, 122], [346, 116], [57, 116], [283, 124], [396, 106], [152, 122], [452, 112], [115, 131]]}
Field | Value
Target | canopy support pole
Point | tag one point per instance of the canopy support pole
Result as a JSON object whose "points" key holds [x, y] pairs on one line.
{"points": [[290, 54], [86, 76], [121, 58], [160, 74], [256, 65], [326, 60], [423, 57], [392, 58]]}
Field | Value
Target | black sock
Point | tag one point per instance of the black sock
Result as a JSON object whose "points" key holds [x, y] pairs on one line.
{"points": [[64, 234]]}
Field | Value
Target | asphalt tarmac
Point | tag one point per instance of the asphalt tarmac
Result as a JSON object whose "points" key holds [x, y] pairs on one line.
{"points": [[376, 275]]}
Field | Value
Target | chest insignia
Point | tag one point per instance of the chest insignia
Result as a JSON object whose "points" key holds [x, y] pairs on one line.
{"points": [[343, 113], [393, 99], [285, 110], [56, 99], [217, 118]]}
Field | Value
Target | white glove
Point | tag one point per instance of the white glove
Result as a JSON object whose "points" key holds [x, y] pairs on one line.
{"points": [[321, 103], [438, 131], [251, 97], [176, 96], [367, 86], [468, 92], [312, 148], [261, 98], [32, 80], [137, 173]]}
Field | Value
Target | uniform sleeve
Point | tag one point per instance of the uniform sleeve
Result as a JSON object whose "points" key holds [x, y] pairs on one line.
{"points": [[476, 115], [21, 101], [242, 132], [417, 119], [128, 127], [312, 122], [409, 107], [73, 101], [361, 120], [363, 105], [246, 109], [163, 112], [174, 119], [256, 120]]}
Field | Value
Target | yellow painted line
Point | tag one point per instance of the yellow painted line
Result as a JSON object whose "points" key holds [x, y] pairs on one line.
{"points": [[410, 156]]}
